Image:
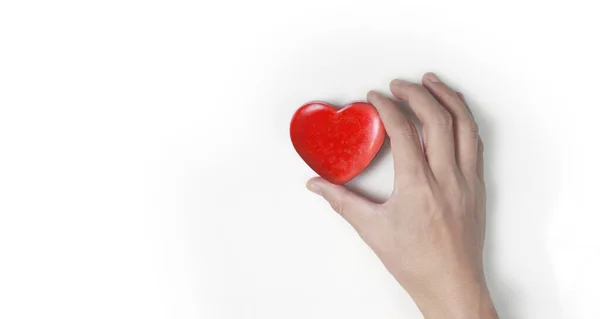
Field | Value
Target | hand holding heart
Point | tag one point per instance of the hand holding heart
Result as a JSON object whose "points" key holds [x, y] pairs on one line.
{"points": [[429, 234]]}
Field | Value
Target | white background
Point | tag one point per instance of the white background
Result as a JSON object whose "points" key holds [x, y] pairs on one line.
{"points": [[146, 169]]}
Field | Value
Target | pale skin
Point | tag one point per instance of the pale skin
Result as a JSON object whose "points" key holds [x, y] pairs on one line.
{"points": [[429, 234]]}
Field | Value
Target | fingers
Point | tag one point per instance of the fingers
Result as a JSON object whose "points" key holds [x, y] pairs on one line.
{"points": [[466, 136], [357, 210], [404, 138], [438, 136]]}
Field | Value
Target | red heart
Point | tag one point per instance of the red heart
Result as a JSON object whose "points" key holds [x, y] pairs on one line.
{"points": [[337, 143]]}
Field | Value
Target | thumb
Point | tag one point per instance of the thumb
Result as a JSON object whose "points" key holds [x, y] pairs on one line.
{"points": [[353, 207]]}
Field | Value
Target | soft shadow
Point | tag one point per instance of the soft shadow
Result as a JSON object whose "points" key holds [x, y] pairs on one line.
{"points": [[510, 295], [499, 287], [382, 156]]}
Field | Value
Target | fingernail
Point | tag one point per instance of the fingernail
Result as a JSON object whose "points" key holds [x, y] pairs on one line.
{"points": [[432, 77], [314, 187]]}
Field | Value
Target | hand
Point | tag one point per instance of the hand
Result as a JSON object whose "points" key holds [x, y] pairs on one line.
{"points": [[429, 234]]}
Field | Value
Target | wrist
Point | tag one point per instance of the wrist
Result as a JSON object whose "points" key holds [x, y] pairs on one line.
{"points": [[463, 299]]}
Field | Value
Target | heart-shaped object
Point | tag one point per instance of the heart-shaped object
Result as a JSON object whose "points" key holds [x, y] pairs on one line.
{"points": [[337, 144]]}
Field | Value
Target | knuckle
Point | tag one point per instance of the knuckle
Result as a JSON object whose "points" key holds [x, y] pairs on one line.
{"points": [[454, 183], [443, 120], [337, 206], [469, 126], [338, 202], [472, 126], [407, 129], [448, 94]]}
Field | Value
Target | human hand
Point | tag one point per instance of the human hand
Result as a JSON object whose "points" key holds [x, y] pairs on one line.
{"points": [[429, 234]]}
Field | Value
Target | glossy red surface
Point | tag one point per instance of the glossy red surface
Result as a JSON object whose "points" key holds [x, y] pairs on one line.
{"points": [[337, 144]]}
